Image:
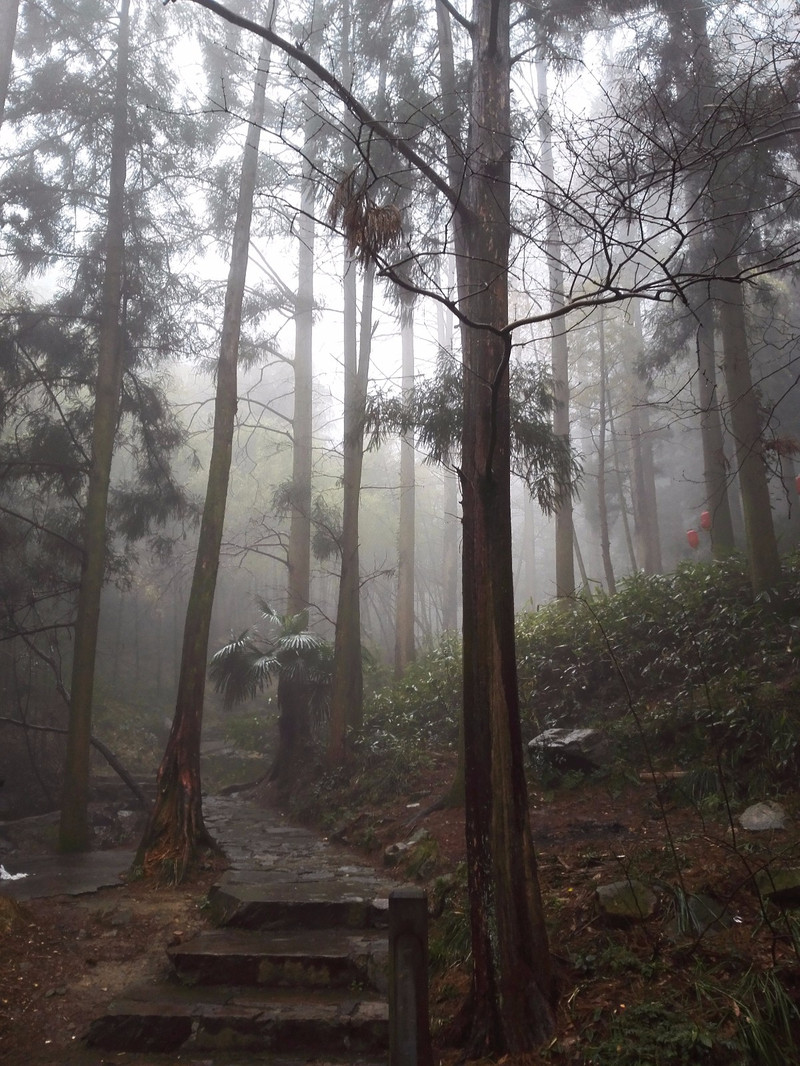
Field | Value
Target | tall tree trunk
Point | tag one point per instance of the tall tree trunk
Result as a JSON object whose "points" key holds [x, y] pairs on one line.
{"points": [[715, 467], [452, 122], [294, 732], [451, 127], [176, 831], [73, 827], [450, 503], [404, 624], [9, 10], [645, 504], [791, 537], [512, 992], [602, 501], [581, 565], [452, 540], [528, 579], [455, 793], [762, 546], [347, 688], [299, 553], [623, 503], [565, 538], [345, 685], [726, 206]]}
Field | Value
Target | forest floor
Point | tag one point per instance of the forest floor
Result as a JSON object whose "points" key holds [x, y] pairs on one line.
{"points": [[63, 958]]}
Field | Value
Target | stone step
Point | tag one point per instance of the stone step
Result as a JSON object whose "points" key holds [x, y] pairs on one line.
{"points": [[322, 958], [270, 903], [171, 1018]]}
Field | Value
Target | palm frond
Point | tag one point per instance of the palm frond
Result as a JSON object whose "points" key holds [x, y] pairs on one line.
{"points": [[265, 668], [299, 643], [232, 669], [244, 639], [268, 612], [251, 661], [283, 623]]}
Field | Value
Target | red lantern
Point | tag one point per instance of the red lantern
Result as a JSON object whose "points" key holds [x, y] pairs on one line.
{"points": [[705, 520], [693, 537]]}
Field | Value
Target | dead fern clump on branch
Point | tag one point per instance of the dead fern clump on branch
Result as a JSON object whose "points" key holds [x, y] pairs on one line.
{"points": [[368, 228], [782, 446]]}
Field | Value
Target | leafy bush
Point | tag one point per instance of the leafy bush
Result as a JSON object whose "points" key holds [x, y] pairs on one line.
{"points": [[659, 633], [420, 711], [251, 732], [691, 652], [746, 731]]}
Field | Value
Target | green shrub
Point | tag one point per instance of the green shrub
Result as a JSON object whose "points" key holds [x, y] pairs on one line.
{"points": [[659, 633], [422, 709], [251, 732]]}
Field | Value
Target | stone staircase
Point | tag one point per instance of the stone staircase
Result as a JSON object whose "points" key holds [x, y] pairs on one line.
{"points": [[296, 966]]}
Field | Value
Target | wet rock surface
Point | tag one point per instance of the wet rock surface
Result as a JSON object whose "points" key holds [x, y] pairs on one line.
{"points": [[582, 750], [626, 901], [298, 966]]}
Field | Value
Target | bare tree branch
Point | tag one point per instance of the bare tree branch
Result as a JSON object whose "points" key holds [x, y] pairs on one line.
{"points": [[104, 750]]}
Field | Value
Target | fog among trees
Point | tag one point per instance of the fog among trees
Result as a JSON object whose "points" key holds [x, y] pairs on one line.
{"points": [[301, 304]]}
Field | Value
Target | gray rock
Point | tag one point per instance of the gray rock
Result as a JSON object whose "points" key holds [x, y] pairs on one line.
{"points": [[626, 901], [586, 750], [395, 852], [763, 816]]}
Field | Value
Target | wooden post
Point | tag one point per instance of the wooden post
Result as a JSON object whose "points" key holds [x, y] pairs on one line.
{"points": [[409, 1028]]}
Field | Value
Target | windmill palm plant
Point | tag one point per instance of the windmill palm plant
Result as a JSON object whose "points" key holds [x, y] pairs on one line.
{"points": [[282, 652]]}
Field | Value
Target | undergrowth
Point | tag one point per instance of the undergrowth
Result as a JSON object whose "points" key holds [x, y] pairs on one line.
{"points": [[684, 671], [684, 665]]}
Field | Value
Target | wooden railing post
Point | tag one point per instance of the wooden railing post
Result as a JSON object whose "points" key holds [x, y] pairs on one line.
{"points": [[409, 1024]]}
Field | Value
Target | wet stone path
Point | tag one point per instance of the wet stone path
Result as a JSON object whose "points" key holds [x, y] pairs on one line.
{"points": [[295, 969], [257, 838]]}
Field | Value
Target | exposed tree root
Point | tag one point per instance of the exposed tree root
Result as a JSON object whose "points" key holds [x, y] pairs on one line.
{"points": [[176, 841]]}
